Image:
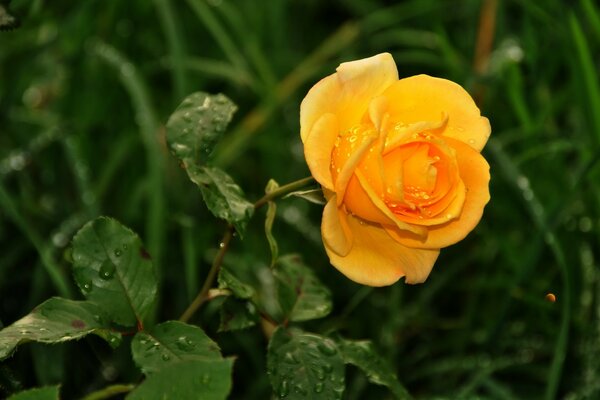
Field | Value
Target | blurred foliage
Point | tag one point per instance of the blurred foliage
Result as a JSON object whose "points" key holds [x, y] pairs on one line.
{"points": [[86, 89]]}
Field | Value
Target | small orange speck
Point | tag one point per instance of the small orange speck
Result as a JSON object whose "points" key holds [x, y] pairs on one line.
{"points": [[551, 297]]}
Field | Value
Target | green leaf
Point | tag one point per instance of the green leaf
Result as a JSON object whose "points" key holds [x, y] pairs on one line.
{"points": [[227, 280], [311, 195], [362, 354], [304, 365], [57, 320], [271, 212], [172, 342], [223, 197], [302, 296], [113, 270], [45, 393], [196, 126], [192, 379], [237, 314], [192, 133]]}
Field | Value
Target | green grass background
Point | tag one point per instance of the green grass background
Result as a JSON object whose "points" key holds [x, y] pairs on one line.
{"points": [[85, 90]]}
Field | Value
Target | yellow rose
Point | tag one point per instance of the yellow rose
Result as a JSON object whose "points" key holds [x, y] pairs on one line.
{"points": [[400, 165]]}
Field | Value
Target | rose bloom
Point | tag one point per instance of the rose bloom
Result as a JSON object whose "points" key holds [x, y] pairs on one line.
{"points": [[400, 166]]}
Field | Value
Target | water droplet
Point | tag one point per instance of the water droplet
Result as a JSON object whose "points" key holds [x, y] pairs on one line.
{"points": [[143, 341], [321, 374], [125, 247], [43, 330], [327, 348], [184, 344], [118, 253], [298, 389], [319, 387], [449, 216], [86, 287], [284, 389], [24, 332], [165, 357], [290, 358], [221, 245], [471, 141], [187, 116], [107, 270]]}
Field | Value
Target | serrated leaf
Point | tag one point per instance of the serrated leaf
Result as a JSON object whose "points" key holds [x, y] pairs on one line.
{"points": [[171, 342], [191, 379], [227, 280], [311, 195], [44, 393], [270, 218], [304, 365], [237, 314], [196, 126], [193, 130], [112, 269], [57, 320], [362, 354], [301, 295], [223, 197]]}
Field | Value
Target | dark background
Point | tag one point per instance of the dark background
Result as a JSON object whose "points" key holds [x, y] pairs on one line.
{"points": [[87, 86]]}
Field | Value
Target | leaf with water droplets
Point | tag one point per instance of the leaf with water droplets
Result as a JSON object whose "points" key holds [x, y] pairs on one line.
{"points": [[196, 126], [362, 354], [223, 197], [111, 269], [193, 130], [237, 314], [304, 365], [189, 379], [43, 393], [171, 342], [301, 294], [227, 280], [57, 320]]}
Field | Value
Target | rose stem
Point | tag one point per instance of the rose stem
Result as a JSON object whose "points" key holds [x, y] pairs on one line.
{"points": [[224, 245]]}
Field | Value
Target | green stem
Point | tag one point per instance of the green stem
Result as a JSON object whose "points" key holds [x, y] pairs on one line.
{"points": [[224, 246], [283, 190], [109, 392], [212, 274]]}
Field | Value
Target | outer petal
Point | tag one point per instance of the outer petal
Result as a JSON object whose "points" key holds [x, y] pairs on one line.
{"points": [[318, 147], [335, 230], [425, 98], [474, 172], [348, 92], [378, 260]]}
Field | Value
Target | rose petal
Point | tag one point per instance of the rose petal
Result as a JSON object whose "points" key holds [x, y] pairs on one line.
{"points": [[347, 172], [318, 147], [383, 208], [425, 98], [474, 172], [348, 92], [378, 260], [335, 230]]}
